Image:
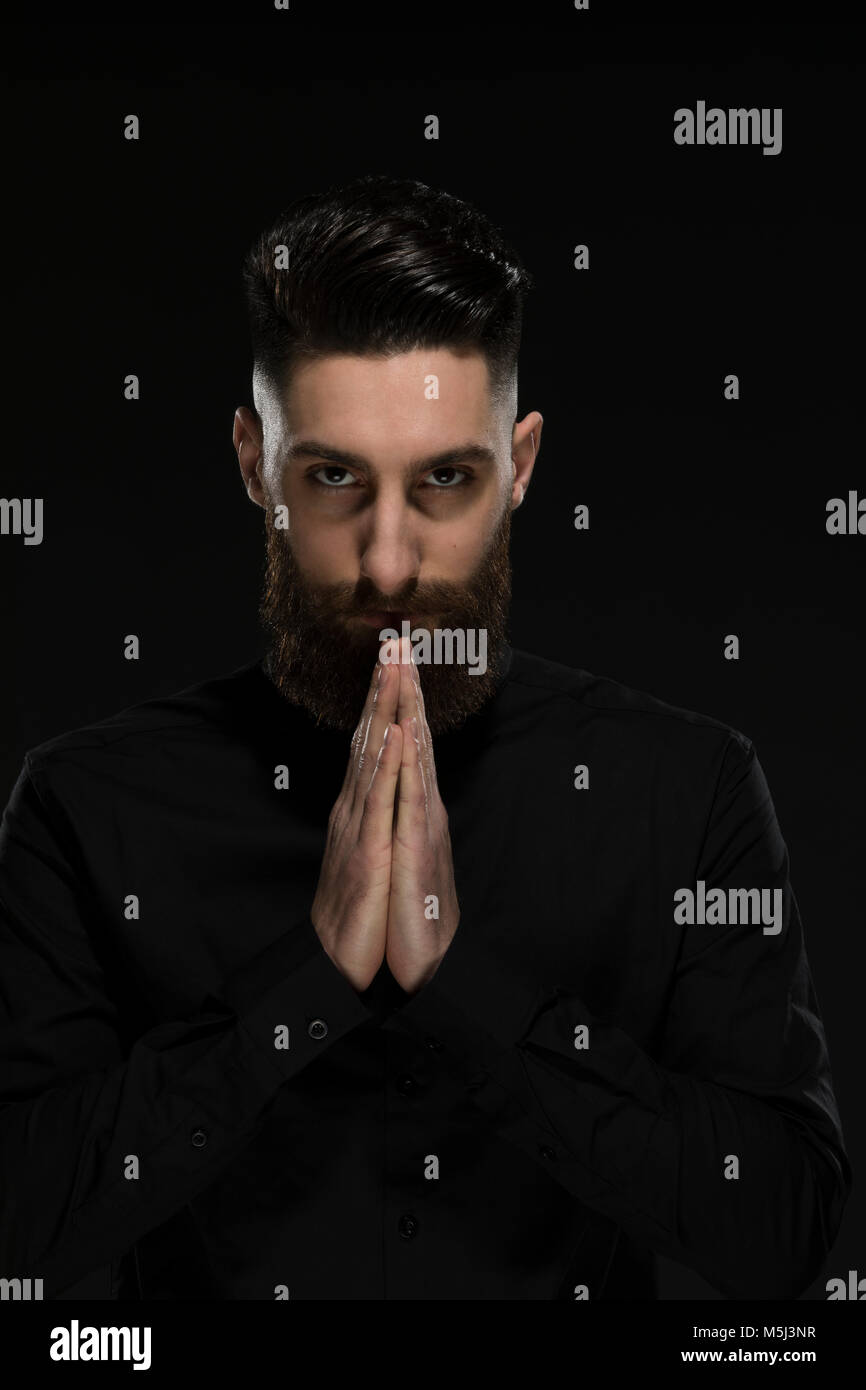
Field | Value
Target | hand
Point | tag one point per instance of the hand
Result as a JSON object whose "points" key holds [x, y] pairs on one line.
{"points": [[350, 909], [421, 862]]}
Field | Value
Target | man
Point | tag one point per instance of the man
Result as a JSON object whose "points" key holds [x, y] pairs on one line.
{"points": [[496, 1000]]}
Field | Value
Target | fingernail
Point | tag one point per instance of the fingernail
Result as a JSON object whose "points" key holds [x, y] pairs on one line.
{"points": [[414, 728], [387, 735], [379, 676]]}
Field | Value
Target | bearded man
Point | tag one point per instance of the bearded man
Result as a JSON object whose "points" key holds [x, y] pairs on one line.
{"points": [[352, 974]]}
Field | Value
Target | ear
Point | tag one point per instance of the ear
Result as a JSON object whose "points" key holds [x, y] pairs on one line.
{"points": [[247, 436], [525, 443]]}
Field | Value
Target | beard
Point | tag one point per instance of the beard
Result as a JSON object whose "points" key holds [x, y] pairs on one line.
{"points": [[318, 658]]}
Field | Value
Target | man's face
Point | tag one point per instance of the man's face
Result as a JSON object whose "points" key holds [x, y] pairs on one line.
{"points": [[382, 525]]}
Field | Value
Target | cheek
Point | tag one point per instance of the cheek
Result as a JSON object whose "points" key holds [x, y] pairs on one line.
{"points": [[324, 556], [459, 552], [325, 551]]}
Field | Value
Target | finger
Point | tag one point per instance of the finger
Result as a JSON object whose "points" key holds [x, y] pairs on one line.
{"points": [[361, 727], [359, 737], [382, 711], [408, 706], [412, 801], [406, 693], [377, 818], [427, 756]]}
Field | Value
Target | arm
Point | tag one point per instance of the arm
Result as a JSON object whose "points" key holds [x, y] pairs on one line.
{"points": [[185, 1098], [742, 1070]]}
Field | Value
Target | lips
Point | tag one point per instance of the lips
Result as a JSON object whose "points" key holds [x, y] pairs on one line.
{"points": [[384, 619]]}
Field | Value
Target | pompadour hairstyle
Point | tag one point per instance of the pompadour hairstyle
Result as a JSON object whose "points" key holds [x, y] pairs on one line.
{"points": [[382, 265]]}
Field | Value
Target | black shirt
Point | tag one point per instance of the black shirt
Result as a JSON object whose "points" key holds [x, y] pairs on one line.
{"points": [[585, 1079]]}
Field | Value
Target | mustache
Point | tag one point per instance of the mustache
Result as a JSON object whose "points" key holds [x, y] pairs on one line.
{"points": [[346, 602]]}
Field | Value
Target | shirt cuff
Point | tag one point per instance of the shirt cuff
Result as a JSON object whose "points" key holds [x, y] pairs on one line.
{"points": [[294, 985], [475, 1005]]}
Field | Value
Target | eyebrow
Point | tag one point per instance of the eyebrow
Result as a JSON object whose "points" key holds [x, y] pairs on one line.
{"points": [[461, 453]]}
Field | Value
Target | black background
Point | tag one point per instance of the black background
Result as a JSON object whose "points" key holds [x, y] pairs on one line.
{"points": [[707, 516]]}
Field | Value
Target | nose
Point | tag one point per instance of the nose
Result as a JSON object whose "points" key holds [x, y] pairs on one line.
{"points": [[389, 547]]}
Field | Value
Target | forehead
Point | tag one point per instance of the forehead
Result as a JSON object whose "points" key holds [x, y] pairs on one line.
{"points": [[409, 398]]}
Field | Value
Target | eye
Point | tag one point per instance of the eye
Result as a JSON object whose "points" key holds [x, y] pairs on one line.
{"points": [[460, 477], [331, 468], [445, 486]]}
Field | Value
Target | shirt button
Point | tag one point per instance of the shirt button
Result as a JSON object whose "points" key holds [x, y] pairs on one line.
{"points": [[407, 1085], [198, 1138], [318, 1028], [547, 1151], [407, 1226], [434, 1044]]}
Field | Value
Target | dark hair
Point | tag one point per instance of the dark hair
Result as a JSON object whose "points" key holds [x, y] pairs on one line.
{"points": [[383, 265]]}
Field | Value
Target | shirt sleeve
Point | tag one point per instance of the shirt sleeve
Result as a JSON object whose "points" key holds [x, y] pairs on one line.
{"points": [[75, 1104], [725, 1150]]}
